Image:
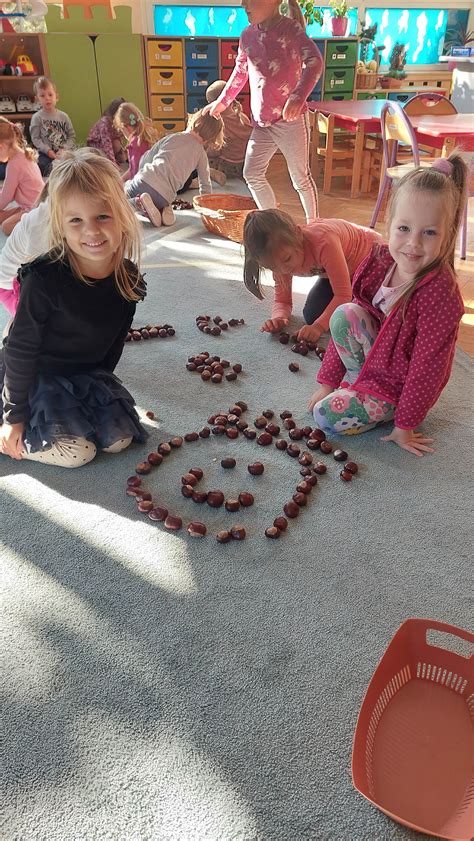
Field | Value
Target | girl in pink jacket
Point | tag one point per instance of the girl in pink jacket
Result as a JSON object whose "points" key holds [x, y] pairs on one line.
{"points": [[23, 182], [282, 66], [392, 347]]}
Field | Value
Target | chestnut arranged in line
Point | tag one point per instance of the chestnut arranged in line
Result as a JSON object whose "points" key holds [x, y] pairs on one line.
{"points": [[212, 368], [213, 326], [151, 331]]}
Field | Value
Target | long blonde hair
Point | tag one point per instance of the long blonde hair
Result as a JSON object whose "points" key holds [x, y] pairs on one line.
{"points": [[450, 184], [129, 116], [293, 11], [264, 232], [13, 133], [93, 175]]}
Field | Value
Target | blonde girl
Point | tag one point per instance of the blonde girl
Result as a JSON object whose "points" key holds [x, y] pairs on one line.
{"points": [[61, 400], [23, 182], [138, 132], [392, 347]]}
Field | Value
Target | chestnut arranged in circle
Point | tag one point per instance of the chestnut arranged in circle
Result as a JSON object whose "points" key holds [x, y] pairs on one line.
{"points": [[213, 369], [151, 331]]}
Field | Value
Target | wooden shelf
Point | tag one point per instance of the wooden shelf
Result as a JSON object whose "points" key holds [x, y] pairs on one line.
{"points": [[18, 115], [25, 76]]}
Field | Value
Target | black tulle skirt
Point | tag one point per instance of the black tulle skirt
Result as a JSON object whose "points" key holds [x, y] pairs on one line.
{"points": [[95, 406]]}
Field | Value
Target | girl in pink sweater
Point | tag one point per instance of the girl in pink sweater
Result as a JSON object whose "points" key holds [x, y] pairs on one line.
{"points": [[329, 248], [23, 182], [139, 133], [282, 66], [392, 348]]}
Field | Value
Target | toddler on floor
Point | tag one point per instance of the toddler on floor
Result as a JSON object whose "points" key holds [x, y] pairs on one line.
{"points": [[61, 400], [104, 136], [23, 182], [166, 167], [392, 347], [282, 66], [139, 134], [51, 130], [329, 248], [237, 130]]}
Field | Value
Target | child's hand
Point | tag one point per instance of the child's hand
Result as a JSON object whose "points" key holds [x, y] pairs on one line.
{"points": [[309, 333], [52, 154], [292, 109], [11, 439], [410, 440], [322, 392], [213, 109], [274, 325]]}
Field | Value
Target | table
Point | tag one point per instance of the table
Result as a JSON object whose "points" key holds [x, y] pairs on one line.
{"points": [[448, 130]]}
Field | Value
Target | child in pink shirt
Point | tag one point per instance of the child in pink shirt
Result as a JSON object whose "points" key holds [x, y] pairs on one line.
{"points": [[23, 182], [139, 133], [329, 248], [282, 66], [392, 347]]}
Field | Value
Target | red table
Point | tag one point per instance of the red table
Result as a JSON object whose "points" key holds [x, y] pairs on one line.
{"points": [[448, 130]]}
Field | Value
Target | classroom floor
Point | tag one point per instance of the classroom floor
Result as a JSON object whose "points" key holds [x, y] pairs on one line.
{"points": [[160, 687]]}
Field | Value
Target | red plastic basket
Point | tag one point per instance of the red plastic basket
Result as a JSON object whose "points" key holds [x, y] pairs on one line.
{"points": [[413, 754]]}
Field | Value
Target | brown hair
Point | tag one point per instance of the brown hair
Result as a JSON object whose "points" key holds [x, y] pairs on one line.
{"points": [[452, 189], [42, 83], [214, 90], [129, 116], [210, 129], [264, 231], [13, 133], [113, 107], [95, 176]]}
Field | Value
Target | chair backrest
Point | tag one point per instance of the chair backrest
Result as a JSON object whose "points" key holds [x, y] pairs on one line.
{"points": [[429, 103], [396, 126]]}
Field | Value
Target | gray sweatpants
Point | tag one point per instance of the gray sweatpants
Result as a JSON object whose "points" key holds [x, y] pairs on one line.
{"points": [[292, 139]]}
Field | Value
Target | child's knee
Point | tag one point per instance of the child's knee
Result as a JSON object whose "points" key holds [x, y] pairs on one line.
{"points": [[75, 452], [118, 446], [320, 417]]}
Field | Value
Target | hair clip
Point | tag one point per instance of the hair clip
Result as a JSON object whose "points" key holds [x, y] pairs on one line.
{"points": [[132, 120], [443, 165]]}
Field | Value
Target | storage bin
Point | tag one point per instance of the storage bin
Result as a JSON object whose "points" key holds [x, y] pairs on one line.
{"points": [[401, 97], [167, 107], [337, 96], [315, 96], [195, 103], [201, 53], [341, 53], [169, 126], [229, 50], [166, 81], [197, 80], [372, 95], [339, 79], [162, 53]]}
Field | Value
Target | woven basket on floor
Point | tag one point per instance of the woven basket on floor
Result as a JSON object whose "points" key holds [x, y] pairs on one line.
{"points": [[224, 214]]}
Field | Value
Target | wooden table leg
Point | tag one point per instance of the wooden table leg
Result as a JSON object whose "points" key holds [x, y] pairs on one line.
{"points": [[358, 153]]}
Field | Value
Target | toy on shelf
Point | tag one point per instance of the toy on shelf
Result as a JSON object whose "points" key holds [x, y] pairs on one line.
{"points": [[25, 103], [7, 106], [26, 65]]}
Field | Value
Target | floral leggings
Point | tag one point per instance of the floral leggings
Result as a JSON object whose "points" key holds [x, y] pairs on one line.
{"points": [[346, 410]]}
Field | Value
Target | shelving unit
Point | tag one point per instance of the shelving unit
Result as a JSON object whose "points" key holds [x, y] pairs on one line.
{"points": [[12, 45]]}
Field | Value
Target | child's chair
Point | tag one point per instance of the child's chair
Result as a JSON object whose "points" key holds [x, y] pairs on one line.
{"points": [[337, 149]]}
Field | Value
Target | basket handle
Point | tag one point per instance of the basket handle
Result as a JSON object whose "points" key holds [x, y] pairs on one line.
{"points": [[422, 626]]}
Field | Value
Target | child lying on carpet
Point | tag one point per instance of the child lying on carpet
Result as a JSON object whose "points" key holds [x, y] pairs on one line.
{"points": [[329, 248], [392, 347]]}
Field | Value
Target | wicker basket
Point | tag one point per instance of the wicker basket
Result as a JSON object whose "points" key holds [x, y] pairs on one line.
{"points": [[224, 214], [368, 81]]}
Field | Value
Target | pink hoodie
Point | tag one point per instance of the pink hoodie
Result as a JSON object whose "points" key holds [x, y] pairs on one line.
{"points": [[23, 182]]}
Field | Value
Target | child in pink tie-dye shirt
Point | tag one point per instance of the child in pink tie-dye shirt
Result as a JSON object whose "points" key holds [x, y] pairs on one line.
{"points": [[282, 66]]}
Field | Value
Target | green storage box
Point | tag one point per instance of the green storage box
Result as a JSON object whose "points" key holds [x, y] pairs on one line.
{"points": [[372, 95], [337, 96], [341, 53], [339, 79]]}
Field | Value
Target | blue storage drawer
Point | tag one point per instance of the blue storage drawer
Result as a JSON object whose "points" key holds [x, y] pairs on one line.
{"points": [[195, 103], [400, 97], [201, 53], [197, 79], [315, 96]]}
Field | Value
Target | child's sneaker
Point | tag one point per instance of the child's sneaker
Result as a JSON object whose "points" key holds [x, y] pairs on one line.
{"points": [[146, 202], [167, 216]]}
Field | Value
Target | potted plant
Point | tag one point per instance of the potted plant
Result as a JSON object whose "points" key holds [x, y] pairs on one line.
{"points": [[311, 13], [396, 73], [339, 19]]}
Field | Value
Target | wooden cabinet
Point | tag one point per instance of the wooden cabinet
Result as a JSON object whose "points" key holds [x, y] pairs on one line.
{"points": [[12, 46]]}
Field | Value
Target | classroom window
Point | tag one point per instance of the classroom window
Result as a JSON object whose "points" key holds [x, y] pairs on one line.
{"points": [[422, 31]]}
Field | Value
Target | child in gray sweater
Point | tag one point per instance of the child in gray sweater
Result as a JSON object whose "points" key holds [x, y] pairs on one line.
{"points": [[50, 130]]}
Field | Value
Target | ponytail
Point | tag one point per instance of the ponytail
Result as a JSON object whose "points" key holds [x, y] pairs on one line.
{"points": [[293, 11]]}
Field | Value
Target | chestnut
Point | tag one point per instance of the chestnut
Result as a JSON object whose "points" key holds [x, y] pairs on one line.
{"points": [[205, 432], [260, 422], [173, 523], [312, 480], [307, 430], [136, 335], [200, 368], [162, 333], [206, 376], [216, 378], [141, 494], [318, 435], [319, 468], [346, 475], [267, 413], [227, 463], [223, 536], [199, 496], [305, 459], [170, 331], [235, 410], [305, 471], [281, 444], [293, 367], [291, 509], [176, 441], [232, 433], [225, 363], [187, 491], [250, 433], [339, 455], [134, 481], [293, 450], [223, 325], [264, 439], [164, 449], [191, 436], [246, 499], [196, 529], [215, 499], [351, 466], [284, 338], [304, 487], [325, 447], [191, 366], [242, 405], [280, 523], [189, 479], [255, 469], [232, 505], [313, 444], [272, 532], [216, 331], [237, 368], [238, 533], [221, 420], [158, 513], [218, 430], [273, 429], [143, 468], [154, 459], [232, 419], [150, 414], [241, 425], [286, 414], [300, 499], [145, 506], [296, 434], [197, 472], [289, 424], [231, 376], [136, 492]]}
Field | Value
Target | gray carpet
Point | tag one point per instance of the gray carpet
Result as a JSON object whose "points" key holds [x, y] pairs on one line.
{"points": [[156, 687]]}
